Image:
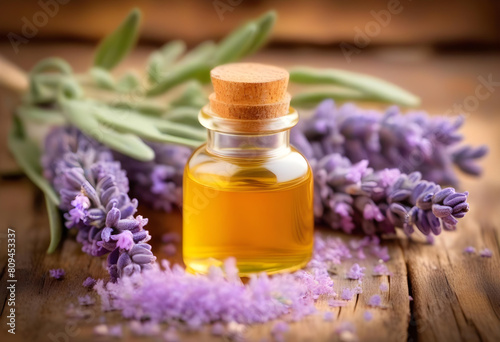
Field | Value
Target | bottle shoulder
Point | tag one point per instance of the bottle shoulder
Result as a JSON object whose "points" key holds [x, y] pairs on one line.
{"points": [[289, 168]]}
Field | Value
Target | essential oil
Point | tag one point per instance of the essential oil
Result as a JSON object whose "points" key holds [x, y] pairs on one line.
{"points": [[247, 193]]}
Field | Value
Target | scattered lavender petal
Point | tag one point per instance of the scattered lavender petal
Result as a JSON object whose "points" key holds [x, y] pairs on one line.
{"points": [[171, 237], [280, 327], [375, 300], [410, 298], [356, 272], [57, 273], [328, 316], [486, 253], [381, 270], [336, 303], [89, 282], [86, 300], [168, 293], [218, 329], [469, 250], [171, 335], [384, 287], [358, 289], [368, 316], [346, 294], [169, 249], [145, 328]]}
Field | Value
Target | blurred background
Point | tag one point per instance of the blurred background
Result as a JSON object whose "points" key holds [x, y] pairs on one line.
{"points": [[445, 24], [441, 50]]}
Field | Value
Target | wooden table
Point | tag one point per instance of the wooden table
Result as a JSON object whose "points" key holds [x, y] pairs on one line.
{"points": [[456, 296]]}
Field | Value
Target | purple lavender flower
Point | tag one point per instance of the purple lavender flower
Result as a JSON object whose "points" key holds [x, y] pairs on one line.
{"points": [[409, 142], [94, 195], [158, 182], [355, 197], [368, 316], [57, 273], [384, 287]]}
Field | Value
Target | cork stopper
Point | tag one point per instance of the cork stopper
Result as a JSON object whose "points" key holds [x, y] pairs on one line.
{"points": [[249, 91]]}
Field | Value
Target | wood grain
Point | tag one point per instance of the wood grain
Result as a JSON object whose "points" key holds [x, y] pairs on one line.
{"points": [[456, 296]]}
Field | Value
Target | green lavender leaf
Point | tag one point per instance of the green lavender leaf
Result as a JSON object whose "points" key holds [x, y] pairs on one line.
{"points": [[236, 44], [312, 98], [40, 115], [197, 132], [148, 128], [52, 64], [102, 78], [128, 83], [46, 88], [118, 44], [55, 224], [374, 88], [79, 113], [161, 60], [193, 96], [200, 54], [27, 156], [145, 106], [185, 115], [265, 25], [177, 76]]}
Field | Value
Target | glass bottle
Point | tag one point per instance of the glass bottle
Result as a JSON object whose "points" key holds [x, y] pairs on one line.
{"points": [[248, 194]]}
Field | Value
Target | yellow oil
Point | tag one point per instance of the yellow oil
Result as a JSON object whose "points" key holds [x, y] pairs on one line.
{"points": [[259, 212]]}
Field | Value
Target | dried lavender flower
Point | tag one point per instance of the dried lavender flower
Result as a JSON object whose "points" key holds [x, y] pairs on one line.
{"points": [[368, 316], [94, 195], [410, 142]]}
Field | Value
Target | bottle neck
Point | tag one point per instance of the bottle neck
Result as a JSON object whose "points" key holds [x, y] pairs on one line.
{"points": [[248, 145]]}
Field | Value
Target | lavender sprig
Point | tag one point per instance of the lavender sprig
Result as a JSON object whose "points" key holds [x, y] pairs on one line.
{"points": [[354, 196], [410, 142], [158, 182], [94, 196]]}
